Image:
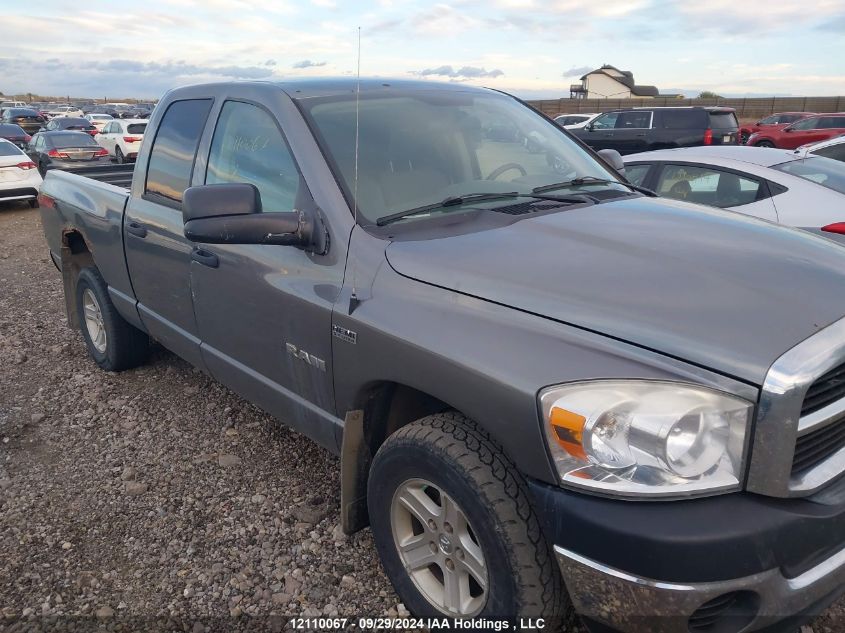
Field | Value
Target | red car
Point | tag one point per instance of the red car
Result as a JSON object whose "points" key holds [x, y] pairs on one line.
{"points": [[778, 120], [810, 130]]}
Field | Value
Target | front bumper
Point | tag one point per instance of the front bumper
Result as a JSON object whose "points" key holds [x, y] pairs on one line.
{"points": [[761, 563], [765, 601]]}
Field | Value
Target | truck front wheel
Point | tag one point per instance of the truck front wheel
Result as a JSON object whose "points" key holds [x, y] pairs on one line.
{"points": [[112, 342], [454, 527]]}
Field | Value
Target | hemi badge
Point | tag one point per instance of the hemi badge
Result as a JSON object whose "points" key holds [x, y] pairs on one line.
{"points": [[344, 335]]}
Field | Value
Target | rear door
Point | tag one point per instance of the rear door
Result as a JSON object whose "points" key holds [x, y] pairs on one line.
{"points": [[105, 138], [264, 311], [157, 253]]}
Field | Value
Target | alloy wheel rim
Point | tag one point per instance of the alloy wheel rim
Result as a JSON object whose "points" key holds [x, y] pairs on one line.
{"points": [[94, 321], [439, 548]]}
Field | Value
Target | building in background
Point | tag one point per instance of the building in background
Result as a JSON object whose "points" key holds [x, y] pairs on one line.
{"points": [[608, 82]]}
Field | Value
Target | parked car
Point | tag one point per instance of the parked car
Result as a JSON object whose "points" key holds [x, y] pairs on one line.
{"points": [[775, 121], [777, 185], [98, 120], [12, 104], [70, 123], [15, 133], [545, 387], [809, 130], [26, 118], [19, 179], [641, 129], [66, 150], [65, 111], [832, 148], [573, 121], [122, 138]]}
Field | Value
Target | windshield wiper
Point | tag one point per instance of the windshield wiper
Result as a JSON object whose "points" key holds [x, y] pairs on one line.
{"points": [[452, 201], [592, 180]]}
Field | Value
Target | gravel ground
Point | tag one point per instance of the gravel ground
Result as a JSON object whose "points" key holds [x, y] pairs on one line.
{"points": [[156, 498]]}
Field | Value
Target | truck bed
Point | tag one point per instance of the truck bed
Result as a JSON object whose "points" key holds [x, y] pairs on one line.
{"points": [[117, 175], [88, 202]]}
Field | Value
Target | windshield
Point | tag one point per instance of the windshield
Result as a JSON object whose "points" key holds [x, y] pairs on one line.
{"points": [[824, 171], [420, 147]]}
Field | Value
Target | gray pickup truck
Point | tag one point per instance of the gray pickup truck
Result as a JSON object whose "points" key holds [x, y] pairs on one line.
{"points": [[549, 390]]}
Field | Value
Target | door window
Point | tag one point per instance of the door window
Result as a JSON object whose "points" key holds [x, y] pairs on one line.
{"points": [[831, 122], [606, 121], [687, 119], [836, 152], [636, 173], [248, 147], [636, 120], [174, 148], [706, 185], [806, 124]]}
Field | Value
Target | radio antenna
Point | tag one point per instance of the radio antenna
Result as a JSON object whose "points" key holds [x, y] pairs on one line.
{"points": [[353, 298]]}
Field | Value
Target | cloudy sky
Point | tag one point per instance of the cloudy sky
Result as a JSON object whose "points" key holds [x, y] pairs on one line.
{"points": [[533, 48]]}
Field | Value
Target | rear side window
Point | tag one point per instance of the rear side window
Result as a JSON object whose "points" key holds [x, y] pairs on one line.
{"points": [[136, 128], [248, 147], [723, 121], [174, 148], [7, 149], [683, 119], [634, 120]]}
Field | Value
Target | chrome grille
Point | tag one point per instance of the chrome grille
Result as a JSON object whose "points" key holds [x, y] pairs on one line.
{"points": [[827, 389], [816, 446]]}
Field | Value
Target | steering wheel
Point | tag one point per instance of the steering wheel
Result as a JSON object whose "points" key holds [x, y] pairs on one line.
{"points": [[506, 167]]}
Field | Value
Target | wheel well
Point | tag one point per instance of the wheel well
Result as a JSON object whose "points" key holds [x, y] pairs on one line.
{"points": [[75, 255], [380, 410]]}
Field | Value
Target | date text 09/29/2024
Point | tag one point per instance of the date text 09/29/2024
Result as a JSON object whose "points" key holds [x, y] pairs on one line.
{"points": [[448, 624]]}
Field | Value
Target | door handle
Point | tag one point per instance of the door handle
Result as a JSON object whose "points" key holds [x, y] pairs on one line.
{"points": [[204, 257], [643, 134], [136, 229]]}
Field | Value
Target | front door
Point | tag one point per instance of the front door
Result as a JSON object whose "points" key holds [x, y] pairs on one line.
{"points": [[599, 134], [264, 311], [631, 130], [157, 253]]}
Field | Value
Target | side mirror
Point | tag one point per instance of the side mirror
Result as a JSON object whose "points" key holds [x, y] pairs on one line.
{"points": [[590, 127], [231, 213], [788, 129], [614, 159]]}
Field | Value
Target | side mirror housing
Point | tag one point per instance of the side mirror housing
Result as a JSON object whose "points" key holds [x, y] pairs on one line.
{"points": [[614, 159], [231, 213]]}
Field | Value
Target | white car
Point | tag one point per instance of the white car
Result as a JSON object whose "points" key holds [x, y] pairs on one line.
{"points": [[65, 110], [19, 177], [575, 121], [99, 121], [122, 138], [785, 186], [831, 148]]}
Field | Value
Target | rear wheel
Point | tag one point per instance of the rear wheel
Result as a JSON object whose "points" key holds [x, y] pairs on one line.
{"points": [[118, 155], [112, 342], [454, 528], [764, 144]]}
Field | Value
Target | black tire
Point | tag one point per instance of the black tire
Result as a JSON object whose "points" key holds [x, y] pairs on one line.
{"points": [[764, 144], [458, 456], [118, 156], [42, 169], [125, 346]]}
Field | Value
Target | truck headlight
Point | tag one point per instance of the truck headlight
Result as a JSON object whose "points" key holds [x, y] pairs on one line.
{"points": [[646, 438]]}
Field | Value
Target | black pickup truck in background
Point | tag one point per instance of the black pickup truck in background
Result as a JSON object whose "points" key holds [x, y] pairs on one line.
{"points": [[549, 389], [643, 129]]}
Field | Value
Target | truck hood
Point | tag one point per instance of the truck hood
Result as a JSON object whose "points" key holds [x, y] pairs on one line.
{"points": [[710, 287]]}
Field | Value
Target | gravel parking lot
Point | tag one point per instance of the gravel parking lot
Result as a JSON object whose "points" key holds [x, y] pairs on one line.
{"points": [[156, 499]]}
